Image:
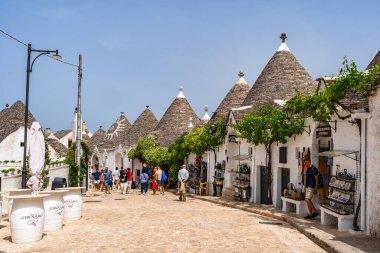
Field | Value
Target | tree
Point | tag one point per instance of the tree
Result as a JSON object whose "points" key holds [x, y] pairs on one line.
{"points": [[266, 126], [157, 156], [143, 144], [76, 178], [214, 136]]}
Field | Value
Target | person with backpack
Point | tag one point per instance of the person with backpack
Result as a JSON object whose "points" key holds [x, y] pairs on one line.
{"points": [[144, 180], [164, 179], [312, 184]]}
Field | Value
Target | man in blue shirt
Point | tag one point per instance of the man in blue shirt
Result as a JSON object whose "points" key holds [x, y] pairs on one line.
{"points": [[183, 176], [312, 182], [108, 178], [96, 175]]}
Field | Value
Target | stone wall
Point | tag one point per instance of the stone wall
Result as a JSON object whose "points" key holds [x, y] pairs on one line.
{"points": [[14, 181]]}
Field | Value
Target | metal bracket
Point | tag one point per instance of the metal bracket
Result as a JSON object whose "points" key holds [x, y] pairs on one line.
{"points": [[308, 128]]}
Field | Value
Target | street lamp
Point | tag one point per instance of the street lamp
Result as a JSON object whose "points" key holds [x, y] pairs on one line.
{"points": [[29, 69]]}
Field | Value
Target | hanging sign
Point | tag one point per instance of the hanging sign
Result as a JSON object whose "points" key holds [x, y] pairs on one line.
{"points": [[323, 131]]}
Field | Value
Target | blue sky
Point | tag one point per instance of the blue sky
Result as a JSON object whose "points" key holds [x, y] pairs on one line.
{"points": [[137, 53]]}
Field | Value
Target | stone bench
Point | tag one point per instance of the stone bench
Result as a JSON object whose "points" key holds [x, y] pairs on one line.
{"points": [[301, 206], [329, 217]]}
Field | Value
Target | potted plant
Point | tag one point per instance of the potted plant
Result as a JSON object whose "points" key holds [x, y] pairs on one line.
{"points": [[6, 162], [12, 171], [5, 171]]}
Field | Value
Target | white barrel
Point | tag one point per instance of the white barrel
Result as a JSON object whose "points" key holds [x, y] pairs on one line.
{"points": [[54, 208], [73, 203], [27, 218], [15, 193]]}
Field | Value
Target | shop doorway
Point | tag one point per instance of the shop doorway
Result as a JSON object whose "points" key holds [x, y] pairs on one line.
{"points": [[264, 176], [285, 180]]}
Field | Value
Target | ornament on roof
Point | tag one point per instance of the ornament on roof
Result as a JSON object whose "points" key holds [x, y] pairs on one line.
{"points": [[180, 94], [241, 73], [206, 117], [283, 46]]}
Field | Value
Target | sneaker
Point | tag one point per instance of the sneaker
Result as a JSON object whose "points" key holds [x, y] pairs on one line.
{"points": [[308, 216], [314, 215]]}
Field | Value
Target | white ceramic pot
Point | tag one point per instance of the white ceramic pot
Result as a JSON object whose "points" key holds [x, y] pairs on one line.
{"points": [[73, 203], [15, 193], [54, 208], [27, 218]]}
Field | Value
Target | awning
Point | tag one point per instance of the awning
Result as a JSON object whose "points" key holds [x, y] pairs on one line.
{"points": [[241, 157], [335, 153]]}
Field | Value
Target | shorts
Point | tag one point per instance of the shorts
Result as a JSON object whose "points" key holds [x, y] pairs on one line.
{"points": [[96, 181], [309, 193], [159, 182], [109, 182]]}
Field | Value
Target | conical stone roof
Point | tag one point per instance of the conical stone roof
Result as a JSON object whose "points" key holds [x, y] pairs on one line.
{"points": [[98, 139], [234, 98], [375, 61], [144, 124], [117, 133], [175, 120], [279, 79], [12, 118]]}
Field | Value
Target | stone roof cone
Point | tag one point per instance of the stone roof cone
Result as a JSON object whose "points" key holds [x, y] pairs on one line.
{"points": [[12, 118], [144, 124], [375, 61], [117, 133], [98, 138], [233, 99], [175, 120], [279, 79]]}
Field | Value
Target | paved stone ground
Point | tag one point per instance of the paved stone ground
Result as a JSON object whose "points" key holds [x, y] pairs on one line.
{"points": [[135, 223], [328, 237]]}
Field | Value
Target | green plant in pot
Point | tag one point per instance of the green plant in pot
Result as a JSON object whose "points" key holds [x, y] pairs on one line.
{"points": [[12, 171]]}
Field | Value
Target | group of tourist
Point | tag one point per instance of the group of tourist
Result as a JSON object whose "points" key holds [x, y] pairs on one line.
{"points": [[106, 180]]}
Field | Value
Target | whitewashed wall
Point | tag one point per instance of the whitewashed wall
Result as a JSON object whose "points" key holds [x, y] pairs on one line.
{"points": [[10, 148], [14, 182], [373, 168]]}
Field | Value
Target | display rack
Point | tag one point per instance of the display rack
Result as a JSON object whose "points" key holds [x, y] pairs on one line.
{"points": [[242, 183], [341, 198]]}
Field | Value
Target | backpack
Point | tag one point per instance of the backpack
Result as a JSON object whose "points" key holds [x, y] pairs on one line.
{"points": [[320, 179], [164, 178]]}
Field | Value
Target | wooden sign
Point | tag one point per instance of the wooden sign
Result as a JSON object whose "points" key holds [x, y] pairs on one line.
{"points": [[323, 131]]}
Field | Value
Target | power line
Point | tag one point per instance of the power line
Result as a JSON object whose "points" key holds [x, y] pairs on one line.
{"points": [[23, 43], [10, 36]]}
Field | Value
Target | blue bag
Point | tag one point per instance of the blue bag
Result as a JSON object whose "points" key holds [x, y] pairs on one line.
{"points": [[164, 178]]}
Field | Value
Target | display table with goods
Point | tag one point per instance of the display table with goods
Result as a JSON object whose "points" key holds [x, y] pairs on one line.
{"points": [[242, 187], [219, 178], [54, 208], [340, 203], [73, 203], [27, 217]]}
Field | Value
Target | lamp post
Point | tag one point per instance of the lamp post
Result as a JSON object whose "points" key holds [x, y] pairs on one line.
{"points": [[29, 69]]}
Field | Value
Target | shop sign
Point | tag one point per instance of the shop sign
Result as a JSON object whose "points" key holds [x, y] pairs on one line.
{"points": [[323, 131]]}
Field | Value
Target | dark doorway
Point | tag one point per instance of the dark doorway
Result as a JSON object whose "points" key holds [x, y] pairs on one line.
{"points": [[264, 174], [285, 180]]}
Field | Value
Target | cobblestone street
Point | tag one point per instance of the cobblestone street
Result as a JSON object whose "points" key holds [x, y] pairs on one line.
{"points": [[135, 223]]}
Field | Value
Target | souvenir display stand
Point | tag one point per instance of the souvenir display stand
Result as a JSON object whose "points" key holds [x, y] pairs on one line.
{"points": [[218, 178], [242, 187]]}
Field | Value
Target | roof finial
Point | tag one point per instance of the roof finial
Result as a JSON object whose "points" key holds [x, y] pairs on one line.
{"points": [[283, 37], [147, 106], [180, 94], [206, 108], [6, 105], [100, 127], [241, 73], [121, 113], [206, 117]]}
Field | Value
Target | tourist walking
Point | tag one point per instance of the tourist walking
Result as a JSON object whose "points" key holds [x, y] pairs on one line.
{"points": [[108, 180], [312, 182], [124, 181], [129, 179], [183, 176], [144, 180], [159, 179], [164, 179], [116, 177], [101, 178], [96, 176]]}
